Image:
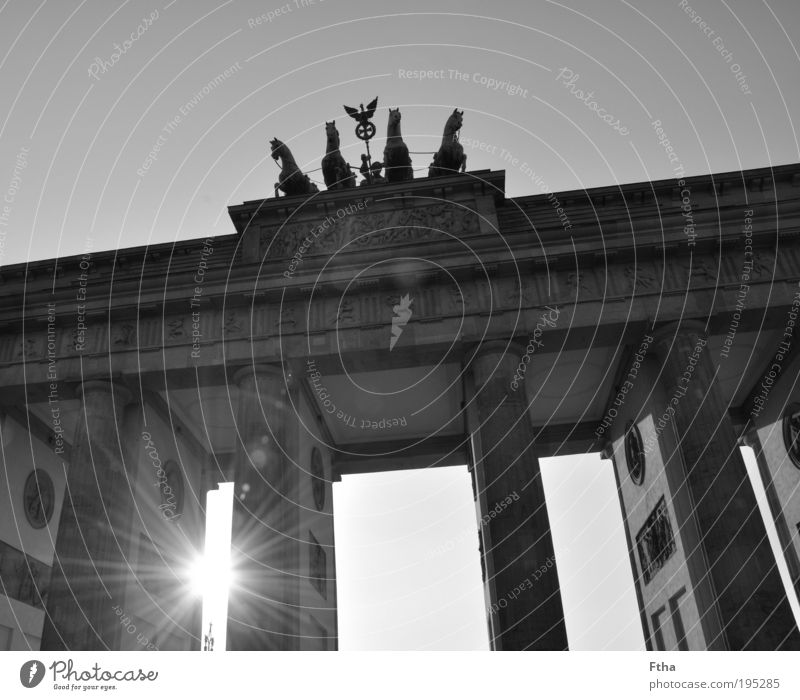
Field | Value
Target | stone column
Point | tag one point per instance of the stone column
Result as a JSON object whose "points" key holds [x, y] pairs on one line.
{"points": [[517, 540], [750, 596], [89, 571], [261, 614]]}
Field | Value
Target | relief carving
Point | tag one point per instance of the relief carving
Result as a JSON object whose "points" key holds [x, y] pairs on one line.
{"points": [[345, 313], [639, 278], [232, 324], [579, 286], [285, 318], [516, 295], [176, 329], [124, 335], [459, 300], [763, 264], [27, 349], [366, 230], [706, 269], [76, 341]]}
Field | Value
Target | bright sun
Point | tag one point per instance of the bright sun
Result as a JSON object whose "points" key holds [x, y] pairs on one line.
{"points": [[209, 576]]}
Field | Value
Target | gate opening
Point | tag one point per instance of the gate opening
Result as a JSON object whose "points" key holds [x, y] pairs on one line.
{"points": [[407, 561], [594, 571]]}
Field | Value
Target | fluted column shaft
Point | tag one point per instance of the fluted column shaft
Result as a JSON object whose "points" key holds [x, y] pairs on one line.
{"points": [[89, 572], [528, 601], [261, 616]]}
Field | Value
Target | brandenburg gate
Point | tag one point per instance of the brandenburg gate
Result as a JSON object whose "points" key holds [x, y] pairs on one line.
{"points": [[413, 323]]}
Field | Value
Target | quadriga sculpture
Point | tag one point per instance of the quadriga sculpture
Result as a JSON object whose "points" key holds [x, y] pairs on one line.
{"points": [[336, 170], [450, 157], [396, 161], [292, 180]]}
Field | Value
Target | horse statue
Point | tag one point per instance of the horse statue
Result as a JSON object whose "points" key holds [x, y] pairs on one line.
{"points": [[335, 169], [450, 157], [396, 160], [292, 180]]}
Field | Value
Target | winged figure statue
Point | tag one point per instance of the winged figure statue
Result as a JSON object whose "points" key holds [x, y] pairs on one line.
{"points": [[365, 129]]}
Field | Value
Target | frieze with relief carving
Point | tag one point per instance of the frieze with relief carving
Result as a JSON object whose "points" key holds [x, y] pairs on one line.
{"points": [[175, 329], [285, 318], [371, 229], [516, 294], [459, 298], [27, 348], [369, 308], [707, 270], [764, 265], [641, 278], [579, 285], [123, 335], [233, 324], [343, 313]]}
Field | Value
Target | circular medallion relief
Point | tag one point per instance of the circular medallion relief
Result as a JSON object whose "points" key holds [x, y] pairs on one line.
{"points": [[791, 432], [39, 497], [317, 479], [172, 491], [634, 452]]}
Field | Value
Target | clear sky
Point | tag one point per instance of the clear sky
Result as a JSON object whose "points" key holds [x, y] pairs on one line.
{"points": [[102, 148], [407, 561], [90, 116]]}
